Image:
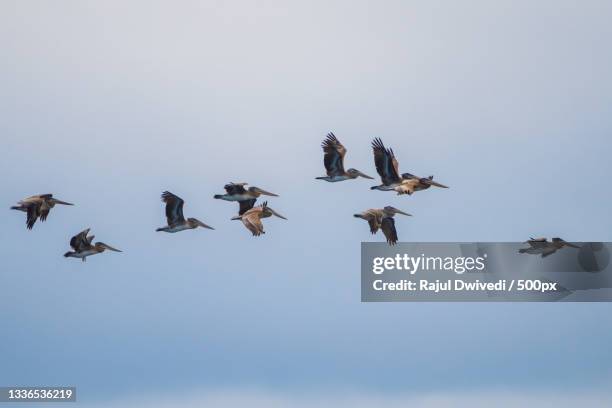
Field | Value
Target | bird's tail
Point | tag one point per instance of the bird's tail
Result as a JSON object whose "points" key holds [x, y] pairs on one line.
{"points": [[218, 196], [320, 178], [357, 215], [15, 207], [67, 254], [373, 187], [522, 250]]}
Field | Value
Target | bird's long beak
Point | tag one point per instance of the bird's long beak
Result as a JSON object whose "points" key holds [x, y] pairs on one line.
{"points": [[403, 213], [110, 247], [264, 192], [435, 183], [201, 224], [62, 202], [365, 176], [277, 214], [237, 217]]}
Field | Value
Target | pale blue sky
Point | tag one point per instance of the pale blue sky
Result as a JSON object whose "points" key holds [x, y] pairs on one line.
{"points": [[108, 103]]}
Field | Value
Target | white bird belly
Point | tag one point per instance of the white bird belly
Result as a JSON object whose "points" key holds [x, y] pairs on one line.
{"points": [[83, 254]]}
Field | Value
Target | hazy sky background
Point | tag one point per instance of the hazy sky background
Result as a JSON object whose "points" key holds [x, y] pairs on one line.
{"points": [[108, 103]]}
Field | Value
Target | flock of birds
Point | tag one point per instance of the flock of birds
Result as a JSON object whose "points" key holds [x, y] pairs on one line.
{"points": [[38, 206]]}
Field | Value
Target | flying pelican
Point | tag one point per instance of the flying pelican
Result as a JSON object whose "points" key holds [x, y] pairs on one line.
{"points": [[388, 169], [37, 206], [81, 243], [174, 214], [252, 218], [334, 161], [382, 218], [543, 247], [246, 197]]}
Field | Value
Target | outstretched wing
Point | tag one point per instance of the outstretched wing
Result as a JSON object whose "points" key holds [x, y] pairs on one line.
{"points": [[246, 205], [374, 225], [386, 164], [33, 211], [388, 228], [80, 241], [44, 210], [174, 208], [253, 223], [334, 155], [235, 188]]}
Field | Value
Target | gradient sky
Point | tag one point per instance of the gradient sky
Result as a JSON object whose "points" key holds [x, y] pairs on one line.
{"points": [[108, 103]]}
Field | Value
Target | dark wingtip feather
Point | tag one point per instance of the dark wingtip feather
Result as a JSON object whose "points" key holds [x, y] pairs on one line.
{"points": [[166, 195], [330, 141]]}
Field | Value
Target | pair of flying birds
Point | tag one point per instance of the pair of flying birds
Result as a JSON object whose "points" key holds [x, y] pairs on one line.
{"points": [[387, 168], [386, 164], [39, 206]]}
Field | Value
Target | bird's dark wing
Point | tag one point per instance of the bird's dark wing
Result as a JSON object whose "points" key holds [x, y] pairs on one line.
{"points": [[246, 205], [538, 242], [386, 164], [44, 210], [174, 208], [374, 225], [79, 242], [334, 155], [388, 228], [234, 189], [33, 212]]}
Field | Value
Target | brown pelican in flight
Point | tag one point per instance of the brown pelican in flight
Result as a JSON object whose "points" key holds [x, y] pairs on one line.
{"points": [[174, 214], [334, 161], [37, 206], [543, 247], [246, 197], [382, 218], [81, 243], [388, 169], [252, 218]]}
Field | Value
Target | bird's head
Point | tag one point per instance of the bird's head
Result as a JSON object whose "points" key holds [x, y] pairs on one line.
{"points": [[561, 241], [392, 211], [268, 212], [101, 247], [354, 173], [195, 223], [258, 191], [54, 201], [428, 181]]}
